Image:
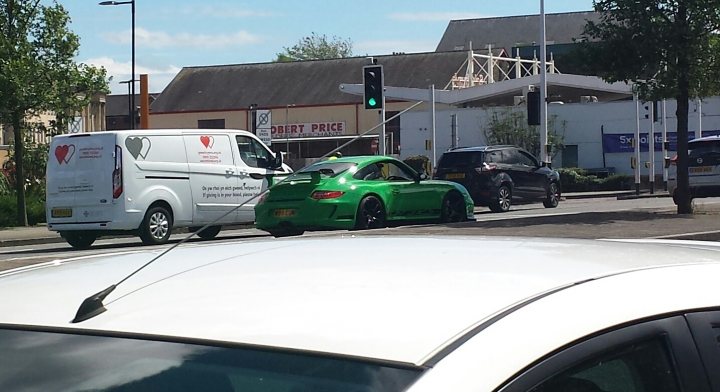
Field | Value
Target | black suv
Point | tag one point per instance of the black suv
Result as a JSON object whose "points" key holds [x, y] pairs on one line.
{"points": [[497, 175]]}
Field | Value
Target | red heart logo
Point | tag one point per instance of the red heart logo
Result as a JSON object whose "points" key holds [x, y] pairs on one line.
{"points": [[205, 140], [61, 152]]}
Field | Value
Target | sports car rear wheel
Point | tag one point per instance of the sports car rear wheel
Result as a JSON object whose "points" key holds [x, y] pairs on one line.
{"points": [[371, 214], [453, 208]]}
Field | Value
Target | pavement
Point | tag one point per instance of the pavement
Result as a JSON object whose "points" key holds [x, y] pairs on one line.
{"points": [[703, 225]]}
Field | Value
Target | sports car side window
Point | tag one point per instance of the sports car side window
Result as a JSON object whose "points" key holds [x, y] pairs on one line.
{"points": [[369, 173], [393, 172], [639, 367]]}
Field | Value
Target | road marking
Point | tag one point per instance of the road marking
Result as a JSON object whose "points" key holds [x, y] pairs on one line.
{"points": [[685, 234]]}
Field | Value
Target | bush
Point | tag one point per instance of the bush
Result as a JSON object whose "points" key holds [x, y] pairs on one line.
{"points": [[578, 180], [418, 162], [35, 205]]}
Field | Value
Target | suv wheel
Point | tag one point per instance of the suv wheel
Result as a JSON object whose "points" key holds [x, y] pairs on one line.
{"points": [[503, 199], [553, 196]]}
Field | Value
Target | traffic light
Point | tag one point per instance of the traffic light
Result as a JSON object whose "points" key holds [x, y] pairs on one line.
{"points": [[533, 108], [373, 80]]}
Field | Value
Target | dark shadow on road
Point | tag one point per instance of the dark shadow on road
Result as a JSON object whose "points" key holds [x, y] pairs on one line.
{"points": [[586, 218]]}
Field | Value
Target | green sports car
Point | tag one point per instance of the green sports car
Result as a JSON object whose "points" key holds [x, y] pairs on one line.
{"points": [[361, 192]]}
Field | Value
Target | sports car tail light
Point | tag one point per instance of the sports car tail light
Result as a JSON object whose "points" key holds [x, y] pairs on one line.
{"points": [[322, 195], [263, 198], [485, 168]]}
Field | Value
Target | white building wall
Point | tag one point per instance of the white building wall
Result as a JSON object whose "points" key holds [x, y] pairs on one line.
{"points": [[584, 127]]}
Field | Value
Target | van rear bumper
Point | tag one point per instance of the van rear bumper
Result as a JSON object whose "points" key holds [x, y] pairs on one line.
{"points": [[93, 226]]}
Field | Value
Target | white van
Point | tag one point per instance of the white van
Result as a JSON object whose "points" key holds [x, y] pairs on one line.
{"points": [[147, 182], [703, 168]]}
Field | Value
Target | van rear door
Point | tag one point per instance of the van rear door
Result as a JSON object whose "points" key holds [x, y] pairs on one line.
{"points": [[79, 178]]}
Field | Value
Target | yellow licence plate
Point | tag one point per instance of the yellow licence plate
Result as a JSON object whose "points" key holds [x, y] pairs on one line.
{"points": [[701, 169], [451, 176], [61, 212], [284, 212]]}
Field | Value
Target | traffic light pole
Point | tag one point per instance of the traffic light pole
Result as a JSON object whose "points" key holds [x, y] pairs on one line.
{"points": [[381, 142]]}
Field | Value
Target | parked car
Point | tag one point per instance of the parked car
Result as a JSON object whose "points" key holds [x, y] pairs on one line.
{"points": [[363, 192], [703, 168], [147, 182], [366, 314], [497, 176]]}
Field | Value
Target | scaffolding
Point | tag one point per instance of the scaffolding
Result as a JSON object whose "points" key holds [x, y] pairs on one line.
{"points": [[481, 69]]}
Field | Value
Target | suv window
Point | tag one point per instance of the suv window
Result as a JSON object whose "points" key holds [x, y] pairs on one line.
{"points": [[639, 367], [460, 158], [527, 159]]}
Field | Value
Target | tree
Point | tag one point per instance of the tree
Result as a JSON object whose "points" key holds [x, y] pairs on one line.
{"points": [[508, 126], [668, 48], [38, 73], [316, 47]]}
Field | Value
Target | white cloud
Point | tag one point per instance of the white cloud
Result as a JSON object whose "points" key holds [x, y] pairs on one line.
{"points": [[390, 46], [433, 16], [161, 39], [158, 78]]}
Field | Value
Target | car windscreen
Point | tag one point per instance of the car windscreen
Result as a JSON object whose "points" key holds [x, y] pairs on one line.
{"points": [[329, 168], [53, 361], [460, 158]]}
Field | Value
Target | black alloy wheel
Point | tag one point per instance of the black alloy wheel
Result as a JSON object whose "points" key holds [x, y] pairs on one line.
{"points": [[371, 214], [79, 239], [503, 201], [553, 196], [278, 233], [156, 227], [453, 208], [209, 232]]}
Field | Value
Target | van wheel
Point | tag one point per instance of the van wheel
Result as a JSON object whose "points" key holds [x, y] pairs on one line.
{"points": [[156, 226], [209, 233], [79, 239]]}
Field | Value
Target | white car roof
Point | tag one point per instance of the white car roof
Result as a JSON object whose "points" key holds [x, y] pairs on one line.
{"points": [[391, 298]]}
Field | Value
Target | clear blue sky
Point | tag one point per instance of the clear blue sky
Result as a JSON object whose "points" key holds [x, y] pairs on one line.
{"points": [[171, 34]]}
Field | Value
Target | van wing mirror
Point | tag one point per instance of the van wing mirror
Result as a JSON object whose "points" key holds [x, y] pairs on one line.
{"points": [[277, 161]]}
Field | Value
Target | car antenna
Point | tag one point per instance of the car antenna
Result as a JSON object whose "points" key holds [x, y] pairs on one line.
{"points": [[93, 305]]}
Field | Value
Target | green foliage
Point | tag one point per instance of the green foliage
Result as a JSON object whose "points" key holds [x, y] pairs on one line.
{"points": [[419, 163], [508, 126], [316, 47], [669, 49], [34, 164], [5, 186], [8, 210], [653, 42], [38, 73], [578, 180]]}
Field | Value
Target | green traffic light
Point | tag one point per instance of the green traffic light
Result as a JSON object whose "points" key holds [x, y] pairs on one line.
{"points": [[372, 102]]}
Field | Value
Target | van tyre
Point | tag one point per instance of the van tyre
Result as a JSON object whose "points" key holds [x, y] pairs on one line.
{"points": [[503, 199], [79, 239], [156, 226], [553, 196], [209, 233]]}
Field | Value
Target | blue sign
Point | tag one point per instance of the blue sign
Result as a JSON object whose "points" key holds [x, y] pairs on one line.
{"points": [[622, 142]]}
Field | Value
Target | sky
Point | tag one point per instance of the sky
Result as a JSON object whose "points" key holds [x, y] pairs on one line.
{"points": [[172, 34]]}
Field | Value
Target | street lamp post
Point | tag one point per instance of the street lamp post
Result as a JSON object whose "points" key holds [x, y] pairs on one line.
{"points": [[287, 135], [132, 61]]}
